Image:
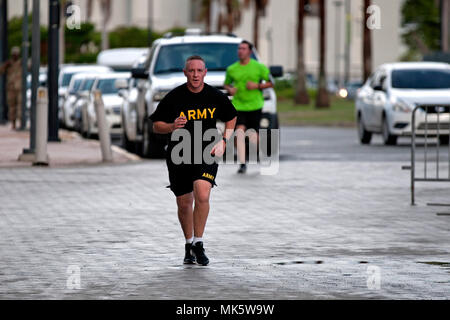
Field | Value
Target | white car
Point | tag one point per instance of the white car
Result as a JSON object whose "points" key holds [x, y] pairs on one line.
{"points": [[121, 59], [80, 83], [164, 71], [65, 75], [111, 100], [70, 100], [386, 101]]}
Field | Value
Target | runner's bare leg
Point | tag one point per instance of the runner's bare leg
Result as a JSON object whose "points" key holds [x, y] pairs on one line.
{"points": [[202, 190], [186, 214], [240, 143]]}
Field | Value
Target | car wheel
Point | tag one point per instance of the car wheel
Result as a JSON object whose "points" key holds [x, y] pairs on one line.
{"points": [[63, 119], [127, 144], [83, 123], [150, 147], [364, 136], [388, 138], [443, 140]]}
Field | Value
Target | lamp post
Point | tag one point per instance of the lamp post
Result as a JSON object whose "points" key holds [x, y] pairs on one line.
{"points": [[337, 46], [53, 69], [3, 57], [25, 47]]}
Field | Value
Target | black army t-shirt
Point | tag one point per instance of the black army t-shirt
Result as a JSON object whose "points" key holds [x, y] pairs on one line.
{"points": [[206, 106]]}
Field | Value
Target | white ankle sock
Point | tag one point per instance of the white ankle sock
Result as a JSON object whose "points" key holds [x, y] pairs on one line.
{"points": [[190, 240], [197, 240]]}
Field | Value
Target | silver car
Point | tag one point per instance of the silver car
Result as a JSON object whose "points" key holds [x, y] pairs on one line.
{"points": [[386, 101]]}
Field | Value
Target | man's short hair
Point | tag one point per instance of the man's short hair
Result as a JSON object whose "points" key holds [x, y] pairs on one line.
{"points": [[250, 45], [194, 57], [15, 50]]}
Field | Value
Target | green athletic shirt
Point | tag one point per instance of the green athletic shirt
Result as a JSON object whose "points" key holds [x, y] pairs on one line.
{"points": [[238, 75]]}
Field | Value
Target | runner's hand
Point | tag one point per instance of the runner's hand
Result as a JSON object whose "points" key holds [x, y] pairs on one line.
{"points": [[232, 91], [179, 122], [219, 149]]}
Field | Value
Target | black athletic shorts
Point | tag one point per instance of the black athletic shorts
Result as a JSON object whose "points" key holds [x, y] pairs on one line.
{"points": [[250, 119], [182, 176]]}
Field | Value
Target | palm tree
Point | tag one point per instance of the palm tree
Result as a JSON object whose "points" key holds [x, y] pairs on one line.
{"points": [[106, 9], [105, 6], [229, 14], [89, 9], [301, 95], [322, 100], [367, 43], [205, 14], [260, 10]]}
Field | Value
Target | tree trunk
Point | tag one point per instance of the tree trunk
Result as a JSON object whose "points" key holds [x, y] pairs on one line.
{"points": [[322, 100], [106, 8], [208, 16], [301, 95], [445, 15], [367, 43], [256, 25], [229, 5], [62, 35], [89, 10]]}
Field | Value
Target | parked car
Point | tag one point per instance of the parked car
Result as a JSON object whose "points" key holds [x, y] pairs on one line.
{"points": [[164, 71], [133, 94], [112, 102], [83, 98], [121, 59], [65, 75], [386, 101], [70, 99], [74, 94]]}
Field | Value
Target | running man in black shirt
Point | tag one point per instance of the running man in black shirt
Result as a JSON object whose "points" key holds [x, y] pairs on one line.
{"points": [[188, 106]]}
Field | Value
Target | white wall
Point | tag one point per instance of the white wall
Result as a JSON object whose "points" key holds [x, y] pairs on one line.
{"points": [[279, 24]]}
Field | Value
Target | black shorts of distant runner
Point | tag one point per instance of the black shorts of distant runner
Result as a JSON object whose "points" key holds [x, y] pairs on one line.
{"points": [[250, 119]]}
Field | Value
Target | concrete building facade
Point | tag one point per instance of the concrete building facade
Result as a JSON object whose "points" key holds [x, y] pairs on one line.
{"points": [[277, 40]]}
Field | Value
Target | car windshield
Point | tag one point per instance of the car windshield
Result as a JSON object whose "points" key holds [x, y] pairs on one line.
{"points": [[107, 86], [76, 85], [217, 56], [87, 85], [66, 79], [421, 79]]}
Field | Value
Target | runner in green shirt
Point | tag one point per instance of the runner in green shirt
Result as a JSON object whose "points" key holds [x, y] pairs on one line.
{"points": [[244, 82]]}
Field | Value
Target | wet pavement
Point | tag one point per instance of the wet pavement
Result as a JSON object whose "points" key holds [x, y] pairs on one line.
{"points": [[334, 223]]}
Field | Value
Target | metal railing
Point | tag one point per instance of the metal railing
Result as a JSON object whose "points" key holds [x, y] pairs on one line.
{"points": [[439, 129]]}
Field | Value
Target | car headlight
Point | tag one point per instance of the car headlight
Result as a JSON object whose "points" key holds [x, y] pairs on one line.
{"points": [[401, 106], [159, 95], [343, 93], [266, 94]]}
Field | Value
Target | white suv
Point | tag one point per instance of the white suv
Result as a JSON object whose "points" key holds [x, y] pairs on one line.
{"points": [[386, 101], [163, 71]]}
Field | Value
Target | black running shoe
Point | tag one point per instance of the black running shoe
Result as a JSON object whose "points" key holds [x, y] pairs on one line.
{"points": [[199, 253], [242, 169], [188, 257]]}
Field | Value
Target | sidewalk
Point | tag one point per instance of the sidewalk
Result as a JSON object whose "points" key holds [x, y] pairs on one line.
{"points": [[71, 151]]}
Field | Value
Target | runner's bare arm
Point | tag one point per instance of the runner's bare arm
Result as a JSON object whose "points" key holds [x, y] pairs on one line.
{"points": [[219, 148], [4, 66], [164, 127], [229, 128], [259, 86], [231, 90]]}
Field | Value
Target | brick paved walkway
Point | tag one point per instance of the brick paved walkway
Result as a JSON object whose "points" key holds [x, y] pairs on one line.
{"points": [[315, 230]]}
